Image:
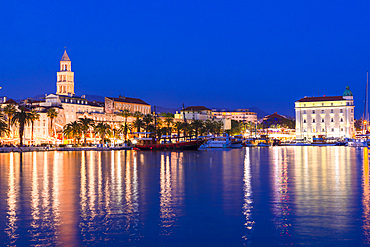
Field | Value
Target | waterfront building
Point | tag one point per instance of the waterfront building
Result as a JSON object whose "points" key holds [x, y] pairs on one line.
{"points": [[243, 115], [330, 116], [201, 113], [116, 105], [195, 113]]}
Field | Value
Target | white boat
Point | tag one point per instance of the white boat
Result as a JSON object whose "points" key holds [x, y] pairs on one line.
{"points": [[357, 143], [236, 142], [264, 144], [217, 142]]}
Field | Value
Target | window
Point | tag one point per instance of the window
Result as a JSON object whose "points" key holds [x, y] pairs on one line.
{"points": [[304, 105], [332, 120], [332, 111], [322, 120], [341, 129], [323, 130], [313, 120], [331, 104], [341, 110], [341, 119], [322, 111], [304, 120], [322, 104], [352, 110], [304, 111], [313, 130], [332, 130], [313, 111]]}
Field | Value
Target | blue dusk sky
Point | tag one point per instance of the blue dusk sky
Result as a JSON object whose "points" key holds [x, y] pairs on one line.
{"points": [[224, 54]]}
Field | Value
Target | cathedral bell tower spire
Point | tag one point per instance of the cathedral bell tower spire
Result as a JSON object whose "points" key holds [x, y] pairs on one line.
{"points": [[65, 77]]}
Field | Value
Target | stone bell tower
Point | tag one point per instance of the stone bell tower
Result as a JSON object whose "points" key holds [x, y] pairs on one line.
{"points": [[65, 77]]}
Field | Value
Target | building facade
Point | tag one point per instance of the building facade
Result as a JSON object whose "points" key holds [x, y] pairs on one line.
{"points": [[330, 116], [116, 105], [195, 113], [243, 115]]}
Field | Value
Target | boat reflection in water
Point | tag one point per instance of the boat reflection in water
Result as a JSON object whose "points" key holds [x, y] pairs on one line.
{"points": [[251, 196]]}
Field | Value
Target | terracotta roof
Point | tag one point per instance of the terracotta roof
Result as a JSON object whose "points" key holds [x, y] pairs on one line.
{"points": [[274, 115], [326, 98], [65, 57], [129, 100], [10, 101], [196, 108]]}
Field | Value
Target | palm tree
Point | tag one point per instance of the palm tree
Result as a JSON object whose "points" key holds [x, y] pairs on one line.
{"points": [[52, 113], [197, 125], [137, 124], [102, 129], [21, 118], [124, 129], [125, 113], [34, 116], [147, 119], [3, 126], [178, 126], [9, 111], [168, 119], [137, 115], [86, 124], [73, 130]]}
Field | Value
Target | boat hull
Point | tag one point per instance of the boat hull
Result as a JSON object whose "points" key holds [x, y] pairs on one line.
{"points": [[191, 145]]}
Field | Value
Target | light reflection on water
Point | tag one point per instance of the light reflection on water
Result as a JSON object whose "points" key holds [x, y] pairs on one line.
{"points": [[304, 195], [281, 199], [248, 199], [366, 197]]}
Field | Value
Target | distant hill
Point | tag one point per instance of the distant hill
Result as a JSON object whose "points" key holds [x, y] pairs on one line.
{"points": [[161, 109], [94, 97], [260, 113]]}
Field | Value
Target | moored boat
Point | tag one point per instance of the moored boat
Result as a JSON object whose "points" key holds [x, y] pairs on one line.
{"points": [[217, 142], [150, 144], [322, 141]]}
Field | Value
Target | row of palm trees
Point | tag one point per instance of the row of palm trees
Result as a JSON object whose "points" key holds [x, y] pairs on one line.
{"points": [[164, 125], [21, 117], [154, 127]]}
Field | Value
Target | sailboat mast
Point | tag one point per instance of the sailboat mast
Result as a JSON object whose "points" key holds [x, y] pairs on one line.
{"points": [[365, 118]]}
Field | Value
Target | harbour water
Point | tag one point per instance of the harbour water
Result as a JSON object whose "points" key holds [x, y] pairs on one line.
{"points": [[318, 196]]}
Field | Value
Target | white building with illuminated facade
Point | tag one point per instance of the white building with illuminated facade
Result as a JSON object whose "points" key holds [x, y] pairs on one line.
{"points": [[329, 116]]}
